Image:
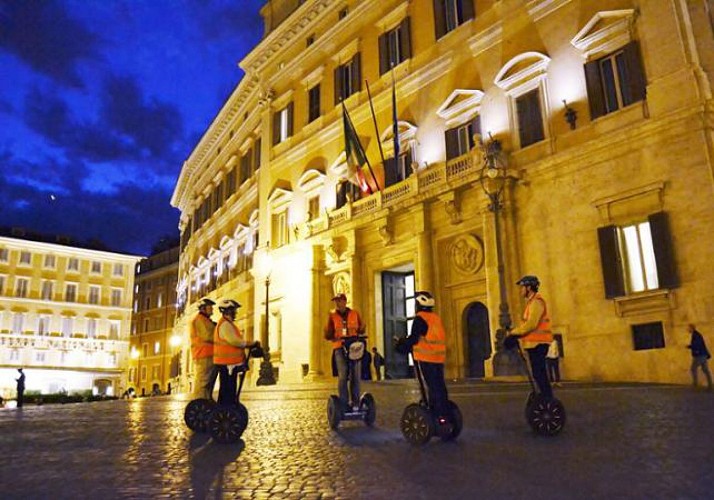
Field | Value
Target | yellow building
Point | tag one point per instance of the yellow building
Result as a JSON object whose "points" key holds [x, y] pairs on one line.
{"points": [[596, 123], [154, 350], [65, 314]]}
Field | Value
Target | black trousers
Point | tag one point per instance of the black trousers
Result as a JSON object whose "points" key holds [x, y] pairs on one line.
{"points": [[553, 369], [436, 387], [229, 385], [540, 374]]}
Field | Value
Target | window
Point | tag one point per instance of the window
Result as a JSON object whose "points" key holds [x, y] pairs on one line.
{"points": [[18, 322], [25, 258], [343, 13], [2, 285], [637, 257], [450, 14], [155, 370], [96, 267], [118, 269], [157, 347], [73, 264], [256, 155], [21, 287], [648, 336], [67, 325], [47, 289], [394, 46], [94, 292], [116, 297], [49, 261], [283, 124], [143, 374], [615, 81], [43, 325], [245, 167], [348, 79], [313, 97], [91, 328], [530, 118], [313, 208], [395, 172], [3, 255], [310, 40], [280, 229], [113, 329], [70, 292], [460, 140]]}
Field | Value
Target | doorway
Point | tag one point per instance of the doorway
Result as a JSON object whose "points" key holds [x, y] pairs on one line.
{"points": [[398, 311], [477, 332]]}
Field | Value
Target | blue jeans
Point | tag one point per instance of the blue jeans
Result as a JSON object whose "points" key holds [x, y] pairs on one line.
{"points": [[347, 369], [696, 363]]}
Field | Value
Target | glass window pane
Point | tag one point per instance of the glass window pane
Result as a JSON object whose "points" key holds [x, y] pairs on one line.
{"points": [[648, 256], [411, 310], [608, 85], [634, 264], [409, 326], [409, 283], [623, 79]]}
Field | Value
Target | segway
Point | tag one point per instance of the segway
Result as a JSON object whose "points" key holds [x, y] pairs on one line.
{"points": [[420, 422], [546, 416], [353, 349]]}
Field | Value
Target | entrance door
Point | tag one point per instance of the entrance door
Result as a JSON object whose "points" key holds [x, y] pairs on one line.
{"points": [[395, 323], [478, 336]]}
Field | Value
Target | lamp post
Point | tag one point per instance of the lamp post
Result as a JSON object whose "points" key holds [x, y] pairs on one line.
{"points": [[493, 180], [266, 376]]}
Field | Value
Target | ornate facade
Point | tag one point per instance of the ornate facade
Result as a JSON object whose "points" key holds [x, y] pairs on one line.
{"points": [[65, 314], [603, 113]]}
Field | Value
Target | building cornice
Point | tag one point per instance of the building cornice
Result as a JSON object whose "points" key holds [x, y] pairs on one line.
{"points": [[58, 249]]}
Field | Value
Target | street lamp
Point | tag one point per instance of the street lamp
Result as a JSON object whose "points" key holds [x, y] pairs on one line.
{"points": [[266, 376], [493, 180]]}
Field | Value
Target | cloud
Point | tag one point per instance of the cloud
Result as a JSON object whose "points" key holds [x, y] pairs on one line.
{"points": [[228, 22], [41, 34]]}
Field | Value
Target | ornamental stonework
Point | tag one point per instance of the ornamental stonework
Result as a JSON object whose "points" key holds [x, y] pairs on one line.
{"points": [[467, 254]]}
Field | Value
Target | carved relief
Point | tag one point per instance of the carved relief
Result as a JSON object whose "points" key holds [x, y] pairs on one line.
{"points": [[452, 209], [385, 232], [335, 251], [467, 254], [341, 284]]}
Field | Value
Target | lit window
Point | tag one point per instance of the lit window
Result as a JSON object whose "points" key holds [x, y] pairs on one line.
{"points": [[640, 265], [47, 289], [116, 297], [118, 269], [3, 255], [21, 287], [73, 264], [25, 258], [94, 293], [49, 261], [96, 267], [157, 347]]}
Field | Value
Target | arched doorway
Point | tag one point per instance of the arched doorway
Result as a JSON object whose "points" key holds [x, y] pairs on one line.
{"points": [[477, 336]]}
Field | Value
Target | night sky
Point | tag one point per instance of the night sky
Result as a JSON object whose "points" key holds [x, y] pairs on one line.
{"points": [[101, 101]]}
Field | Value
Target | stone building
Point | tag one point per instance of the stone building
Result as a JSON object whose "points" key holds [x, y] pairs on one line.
{"points": [[587, 122], [154, 349], [65, 313]]}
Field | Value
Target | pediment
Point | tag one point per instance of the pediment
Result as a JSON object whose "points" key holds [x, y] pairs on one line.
{"points": [[460, 101], [240, 231], [281, 195], [225, 241], [521, 70], [311, 180], [213, 253], [605, 32]]}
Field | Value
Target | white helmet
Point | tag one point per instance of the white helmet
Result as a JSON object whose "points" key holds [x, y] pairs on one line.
{"points": [[227, 304], [205, 301], [425, 299]]}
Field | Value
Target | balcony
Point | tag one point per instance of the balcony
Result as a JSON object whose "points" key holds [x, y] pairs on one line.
{"points": [[11, 341]]}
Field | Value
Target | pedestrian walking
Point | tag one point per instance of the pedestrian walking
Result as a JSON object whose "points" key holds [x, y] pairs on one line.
{"points": [[552, 363], [366, 365], [378, 361], [20, 388], [700, 356]]}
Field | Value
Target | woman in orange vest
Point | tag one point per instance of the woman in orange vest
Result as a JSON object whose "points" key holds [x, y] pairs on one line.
{"points": [[344, 322], [229, 351], [535, 334], [427, 342]]}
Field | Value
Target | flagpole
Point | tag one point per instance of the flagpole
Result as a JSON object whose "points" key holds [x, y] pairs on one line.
{"points": [[359, 144], [374, 119]]}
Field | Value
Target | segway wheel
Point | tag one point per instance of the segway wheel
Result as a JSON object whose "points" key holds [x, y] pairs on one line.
{"points": [[242, 415], [368, 404], [197, 413], [417, 424], [546, 416], [457, 422], [226, 425], [334, 412]]}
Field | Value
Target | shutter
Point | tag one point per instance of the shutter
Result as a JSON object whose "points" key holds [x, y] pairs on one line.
{"points": [[612, 272], [338, 85], [276, 127], [452, 143], [405, 41], [475, 129], [341, 195], [636, 76], [356, 74], [390, 172], [522, 115], [290, 119], [596, 95], [468, 10], [383, 53], [662, 242], [439, 18]]}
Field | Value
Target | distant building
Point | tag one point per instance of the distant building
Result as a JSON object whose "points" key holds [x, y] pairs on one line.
{"points": [[65, 314], [603, 114], [155, 353]]}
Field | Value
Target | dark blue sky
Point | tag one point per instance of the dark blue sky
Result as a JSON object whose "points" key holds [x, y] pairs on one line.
{"points": [[101, 101]]}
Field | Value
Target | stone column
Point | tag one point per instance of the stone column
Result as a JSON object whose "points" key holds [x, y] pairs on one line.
{"points": [[315, 322]]}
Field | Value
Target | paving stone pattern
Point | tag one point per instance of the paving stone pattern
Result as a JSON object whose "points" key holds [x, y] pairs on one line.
{"points": [[621, 441]]}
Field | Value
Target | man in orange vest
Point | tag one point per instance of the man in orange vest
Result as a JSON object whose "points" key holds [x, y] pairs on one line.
{"points": [[201, 330], [427, 342], [229, 351], [342, 323], [535, 334]]}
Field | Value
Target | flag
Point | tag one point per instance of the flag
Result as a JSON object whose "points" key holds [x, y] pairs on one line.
{"points": [[395, 120], [354, 153]]}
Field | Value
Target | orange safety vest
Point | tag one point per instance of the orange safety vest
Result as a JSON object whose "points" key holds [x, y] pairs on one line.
{"points": [[223, 352], [542, 333], [348, 328], [431, 347], [201, 348]]}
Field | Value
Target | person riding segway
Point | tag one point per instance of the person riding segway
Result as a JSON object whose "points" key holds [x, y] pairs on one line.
{"points": [[346, 332], [201, 329], [435, 413], [544, 413]]}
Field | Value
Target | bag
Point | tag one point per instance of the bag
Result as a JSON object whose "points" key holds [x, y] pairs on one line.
{"points": [[354, 349]]}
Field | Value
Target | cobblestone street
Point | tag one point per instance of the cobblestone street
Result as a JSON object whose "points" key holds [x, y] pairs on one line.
{"points": [[621, 441]]}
